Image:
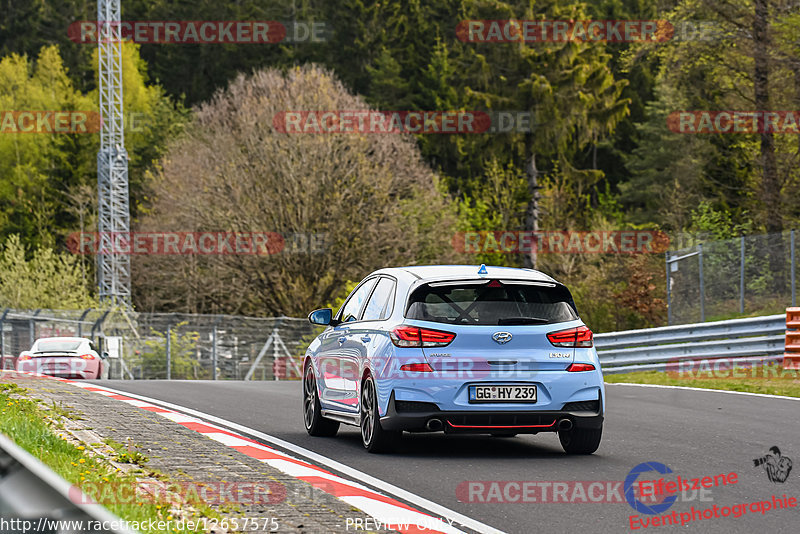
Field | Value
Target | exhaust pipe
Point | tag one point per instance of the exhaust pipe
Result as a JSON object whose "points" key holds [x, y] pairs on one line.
{"points": [[434, 424], [565, 425]]}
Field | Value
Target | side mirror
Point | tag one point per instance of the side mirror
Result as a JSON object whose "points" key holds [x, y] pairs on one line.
{"points": [[104, 355], [323, 316]]}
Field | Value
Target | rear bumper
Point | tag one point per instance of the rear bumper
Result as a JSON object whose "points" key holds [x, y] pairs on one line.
{"points": [[485, 422], [70, 370]]}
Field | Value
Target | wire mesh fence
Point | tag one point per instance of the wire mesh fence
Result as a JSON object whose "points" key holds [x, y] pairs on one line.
{"points": [[752, 275], [168, 345], [749, 275]]}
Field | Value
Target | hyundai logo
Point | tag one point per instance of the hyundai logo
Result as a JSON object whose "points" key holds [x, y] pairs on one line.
{"points": [[502, 337]]}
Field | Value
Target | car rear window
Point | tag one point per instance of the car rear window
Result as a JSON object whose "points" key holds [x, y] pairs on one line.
{"points": [[57, 346], [491, 303]]}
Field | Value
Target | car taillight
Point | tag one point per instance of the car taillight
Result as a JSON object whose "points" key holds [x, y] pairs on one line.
{"points": [[579, 337], [24, 357], [578, 367], [413, 336], [417, 367], [87, 356]]}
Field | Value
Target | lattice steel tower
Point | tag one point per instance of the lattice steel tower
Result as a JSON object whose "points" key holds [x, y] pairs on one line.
{"points": [[113, 268]]}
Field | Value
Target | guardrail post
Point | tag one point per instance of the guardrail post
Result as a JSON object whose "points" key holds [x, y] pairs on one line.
{"points": [[278, 370], [169, 352], [669, 292], [702, 286], [214, 352], [741, 277]]}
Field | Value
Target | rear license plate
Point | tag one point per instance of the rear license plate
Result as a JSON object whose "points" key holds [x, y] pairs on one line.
{"points": [[502, 393]]}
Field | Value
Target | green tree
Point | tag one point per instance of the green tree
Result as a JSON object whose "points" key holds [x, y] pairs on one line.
{"points": [[36, 167], [41, 279], [743, 60], [372, 197], [48, 180]]}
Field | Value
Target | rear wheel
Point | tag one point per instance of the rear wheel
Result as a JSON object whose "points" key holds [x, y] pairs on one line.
{"points": [[580, 440], [373, 436], [316, 425]]}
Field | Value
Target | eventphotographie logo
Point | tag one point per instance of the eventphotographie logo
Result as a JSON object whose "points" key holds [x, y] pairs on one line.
{"points": [[777, 466]]}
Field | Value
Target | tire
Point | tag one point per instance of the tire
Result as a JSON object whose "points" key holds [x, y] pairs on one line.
{"points": [[374, 438], [580, 440], [315, 424]]}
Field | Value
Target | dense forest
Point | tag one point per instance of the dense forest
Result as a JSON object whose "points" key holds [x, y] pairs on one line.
{"points": [[602, 153]]}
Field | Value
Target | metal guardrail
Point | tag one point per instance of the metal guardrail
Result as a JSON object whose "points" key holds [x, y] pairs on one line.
{"points": [[32, 495], [742, 340]]}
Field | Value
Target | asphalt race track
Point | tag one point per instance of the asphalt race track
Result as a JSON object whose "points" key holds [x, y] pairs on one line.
{"points": [[695, 433]]}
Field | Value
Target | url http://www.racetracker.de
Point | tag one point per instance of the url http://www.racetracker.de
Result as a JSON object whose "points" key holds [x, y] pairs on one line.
{"points": [[44, 524]]}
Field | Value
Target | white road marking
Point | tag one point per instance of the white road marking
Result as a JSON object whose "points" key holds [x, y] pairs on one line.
{"points": [[663, 386], [138, 403], [179, 417], [297, 470], [226, 439], [294, 469]]}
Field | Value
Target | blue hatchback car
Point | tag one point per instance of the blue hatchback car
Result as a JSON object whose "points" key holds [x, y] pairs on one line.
{"points": [[458, 349]]}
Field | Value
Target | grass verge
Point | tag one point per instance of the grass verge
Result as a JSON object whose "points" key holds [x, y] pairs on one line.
{"points": [[32, 428], [771, 380]]}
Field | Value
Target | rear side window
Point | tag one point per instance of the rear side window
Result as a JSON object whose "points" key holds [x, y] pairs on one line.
{"points": [[380, 303], [492, 303]]}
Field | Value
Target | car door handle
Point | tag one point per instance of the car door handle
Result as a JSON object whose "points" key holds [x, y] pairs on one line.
{"points": [[365, 339], [342, 340]]}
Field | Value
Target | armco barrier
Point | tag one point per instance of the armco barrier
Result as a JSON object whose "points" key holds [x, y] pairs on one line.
{"points": [[33, 494], [751, 339], [791, 356]]}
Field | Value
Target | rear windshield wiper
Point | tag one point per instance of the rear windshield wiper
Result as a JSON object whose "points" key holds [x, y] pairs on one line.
{"points": [[521, 320]]}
